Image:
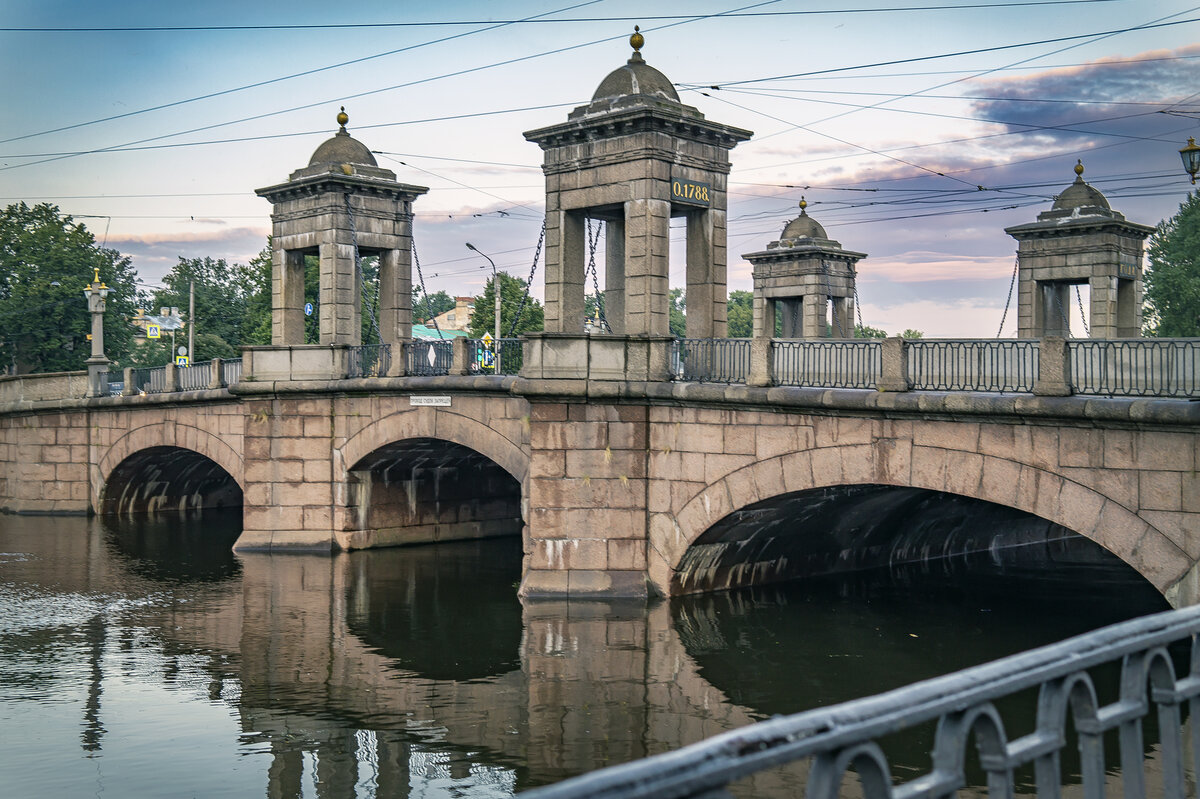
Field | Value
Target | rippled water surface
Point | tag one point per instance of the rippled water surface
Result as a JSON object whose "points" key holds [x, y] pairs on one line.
{"points": [[145, 660]]}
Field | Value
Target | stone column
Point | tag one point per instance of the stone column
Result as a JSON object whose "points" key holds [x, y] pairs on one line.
{"points": [[614, 275], [395, 295], [287, 297], [843, 317], [764, 315], [341, 294], [1103, 311], [1055, 310], [815, 320], [566, 243], [1129, 308], [894, 363], [762, 367], [1054, 368], [793, 316], [647, 267], [706, 301]]}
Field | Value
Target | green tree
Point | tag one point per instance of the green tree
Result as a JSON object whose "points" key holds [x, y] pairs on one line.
{"points": [[1173, 280], [740, 313], [863, 331], [678, 311], [512, 289], [46, 260], [427, 306], [254, 283], [910, 333]]}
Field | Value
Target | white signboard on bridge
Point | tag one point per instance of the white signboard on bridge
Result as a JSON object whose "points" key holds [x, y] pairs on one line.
{"points": [[443, 401]]}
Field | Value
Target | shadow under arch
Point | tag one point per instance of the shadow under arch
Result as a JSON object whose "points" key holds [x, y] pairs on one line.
{"points": [[846, 529], [424, 490], [167, 479]]}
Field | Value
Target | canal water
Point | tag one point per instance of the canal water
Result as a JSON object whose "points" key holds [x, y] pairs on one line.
{"points": [[146, 660]]}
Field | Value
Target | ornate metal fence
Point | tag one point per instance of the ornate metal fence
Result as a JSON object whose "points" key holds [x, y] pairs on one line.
{"points": [[429, 357], [711, 360], [972, 365], [827, 364], [150, 380], [510, 356], [1136, 367], [834, 741], [369, 360]]}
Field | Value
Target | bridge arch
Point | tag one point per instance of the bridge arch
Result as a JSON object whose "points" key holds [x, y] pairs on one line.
{"points": [[193, 448], [1001, 481], [430, 475]]}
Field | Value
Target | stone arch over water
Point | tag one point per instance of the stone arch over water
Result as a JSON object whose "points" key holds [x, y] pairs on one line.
{"points": [[429, 475], [835, 473]]}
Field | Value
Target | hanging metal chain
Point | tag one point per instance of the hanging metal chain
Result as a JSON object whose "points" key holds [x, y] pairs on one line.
{"points": [[362, 281], [829, 296], [857, 304], [537, 253], [1008, 300], [1082, 316], [1062, 313], [421, 278], [592, 242]]}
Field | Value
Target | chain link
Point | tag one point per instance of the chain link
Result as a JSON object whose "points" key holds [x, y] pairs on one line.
{"points": [[1008, 301], [592, 242], [421, 278], [1082, 316], [537, 253]]}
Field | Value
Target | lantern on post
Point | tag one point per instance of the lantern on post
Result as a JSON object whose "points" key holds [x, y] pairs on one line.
{"points": [[1191, 158], [97, 364]]}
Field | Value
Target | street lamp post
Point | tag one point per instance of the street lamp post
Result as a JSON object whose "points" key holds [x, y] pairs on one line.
{"points": [[495, 289], [1191, 158], [97, 365]]}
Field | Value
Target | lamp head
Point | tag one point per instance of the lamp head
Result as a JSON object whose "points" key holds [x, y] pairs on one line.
{"points": [[1191, 158]]}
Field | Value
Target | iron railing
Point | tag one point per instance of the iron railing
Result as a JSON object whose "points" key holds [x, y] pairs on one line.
{"points": [[232, 371], [827, 364], [510, 356], [369, 360], [711, 360], [831, 742], [113, 382], [149, 380], [195, 377], [972, 365], [1136, 367], [429, 357]]}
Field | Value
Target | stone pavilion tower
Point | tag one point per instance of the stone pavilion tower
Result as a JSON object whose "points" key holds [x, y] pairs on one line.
{"points": [[635, 157], [341, 207], [800, 278], [1079, 240]]}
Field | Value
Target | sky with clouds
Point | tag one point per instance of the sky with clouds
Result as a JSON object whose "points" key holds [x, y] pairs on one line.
{"points": [[917, 130]]}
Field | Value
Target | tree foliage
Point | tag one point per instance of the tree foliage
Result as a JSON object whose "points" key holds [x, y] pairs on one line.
{"points": [[740, 313], [512, 289], [46, 260], [1172, 282], [864, 331], [425, 307], [678, 311]]}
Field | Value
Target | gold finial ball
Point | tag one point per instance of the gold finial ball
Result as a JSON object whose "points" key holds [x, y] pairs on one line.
{"points": [[342, 117], [1079, 167], [803, 204], [637, 40]]}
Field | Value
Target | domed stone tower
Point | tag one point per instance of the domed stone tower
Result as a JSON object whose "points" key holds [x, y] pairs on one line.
{"points": [[1079, 240], [341, 205], [635, 157], [801, 277]]}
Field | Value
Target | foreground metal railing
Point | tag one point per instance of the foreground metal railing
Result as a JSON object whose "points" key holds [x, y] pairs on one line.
{"points": [[972, 365], [835, 741], [503, 357], [196, 377], [1136, 367], [826, 364], [369, 360], [711, 360], [427, 358], [232, 371]]}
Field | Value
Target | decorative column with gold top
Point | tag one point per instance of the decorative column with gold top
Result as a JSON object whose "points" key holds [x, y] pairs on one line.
{"points": [[97, 365]]}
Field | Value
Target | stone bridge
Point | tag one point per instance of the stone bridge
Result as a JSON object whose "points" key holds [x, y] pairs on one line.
{"points": [[624, 488]]}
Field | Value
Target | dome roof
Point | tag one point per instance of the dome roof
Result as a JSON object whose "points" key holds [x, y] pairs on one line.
{"points": [[342, 148], [1080, 195], [803, 226], [636, 77]]}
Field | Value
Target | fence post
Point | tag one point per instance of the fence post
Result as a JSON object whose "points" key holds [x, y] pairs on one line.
{"points": [[460, 363], [762, 369], [399, 363], [1054, 368], [216, 373], [127, 390], [893, 365], [171, 378]]}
